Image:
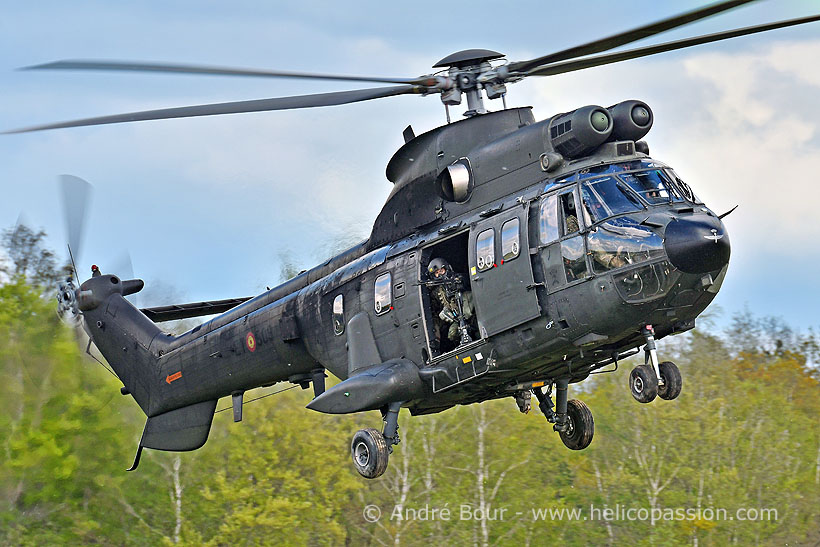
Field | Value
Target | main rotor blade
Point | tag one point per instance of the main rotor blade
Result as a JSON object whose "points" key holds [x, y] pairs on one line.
{"points": [[76, 196], [128, 66], [175, 312], [588, 62], [629, 36], [258, 105]]}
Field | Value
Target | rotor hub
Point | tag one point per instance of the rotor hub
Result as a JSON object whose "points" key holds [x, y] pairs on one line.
{"points": [[468, 58]]}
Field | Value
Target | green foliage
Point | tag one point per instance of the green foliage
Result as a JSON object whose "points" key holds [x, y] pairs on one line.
{"points": [[27, 257], [60, 446], [743, 434]]}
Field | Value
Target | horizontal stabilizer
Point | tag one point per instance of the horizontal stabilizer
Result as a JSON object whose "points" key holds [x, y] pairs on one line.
{"points": [[179, 430], [393, 381], [196, 309]]}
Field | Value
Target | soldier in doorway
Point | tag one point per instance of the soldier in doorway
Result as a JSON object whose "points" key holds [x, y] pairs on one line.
{"points": [[452, 306]]}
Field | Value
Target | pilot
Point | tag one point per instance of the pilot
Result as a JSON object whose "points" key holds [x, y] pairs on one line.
{"points": [[447, 301], [571, 218], [610, 259]]}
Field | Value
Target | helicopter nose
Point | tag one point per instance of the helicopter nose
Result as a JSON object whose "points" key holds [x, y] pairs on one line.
{"points": [[698, 244]]}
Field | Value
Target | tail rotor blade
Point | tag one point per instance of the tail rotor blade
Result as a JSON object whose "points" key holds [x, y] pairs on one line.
{"points": [[124, 268]]}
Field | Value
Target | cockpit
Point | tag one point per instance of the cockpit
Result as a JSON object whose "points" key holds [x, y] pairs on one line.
{"points": [[608, 196], [616, 188]]}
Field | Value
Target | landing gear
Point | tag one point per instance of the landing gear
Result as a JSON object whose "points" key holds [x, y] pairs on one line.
{"points": [[652, 379], [371, 449], [580, 426], [672, 381], [573, 419], [643, 384]]}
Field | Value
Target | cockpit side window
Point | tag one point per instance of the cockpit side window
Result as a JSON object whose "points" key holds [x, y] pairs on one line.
{"points": [[338, 314], [569, 213], [684, 189], [653, 186], [548, 220], [605, 197], [573, 254]]}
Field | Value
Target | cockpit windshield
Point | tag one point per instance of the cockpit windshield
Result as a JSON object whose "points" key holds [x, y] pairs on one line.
{"points": [[612, 189], [653, 186], [606, 197], [684, 189]]}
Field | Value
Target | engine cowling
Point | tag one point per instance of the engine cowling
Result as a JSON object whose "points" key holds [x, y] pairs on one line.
{"points": [[631, 119], [581, 131]]}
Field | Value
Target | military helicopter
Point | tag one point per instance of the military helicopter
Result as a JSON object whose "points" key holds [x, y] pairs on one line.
{"points": [[513, 257]]}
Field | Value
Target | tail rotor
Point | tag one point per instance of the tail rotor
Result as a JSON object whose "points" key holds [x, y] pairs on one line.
{"points": [[76, 195]]}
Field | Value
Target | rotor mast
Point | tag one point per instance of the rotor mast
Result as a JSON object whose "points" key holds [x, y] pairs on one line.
{"points": [[468, 74]]}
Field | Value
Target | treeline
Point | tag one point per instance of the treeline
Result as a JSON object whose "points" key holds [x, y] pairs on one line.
{"points": [[735, 459]]}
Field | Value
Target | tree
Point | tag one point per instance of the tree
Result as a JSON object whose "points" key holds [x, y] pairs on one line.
{"points": [[28, 256]]}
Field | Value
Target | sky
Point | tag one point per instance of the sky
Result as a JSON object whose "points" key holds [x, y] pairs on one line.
{"points": [[209, 208]]}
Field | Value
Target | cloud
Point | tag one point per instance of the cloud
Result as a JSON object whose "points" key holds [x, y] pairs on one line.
{"points": [[798, 59]]}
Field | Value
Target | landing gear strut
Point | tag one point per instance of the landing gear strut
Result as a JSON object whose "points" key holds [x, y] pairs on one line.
{"points": [[654, 379], [371, 449], [573, 419]]}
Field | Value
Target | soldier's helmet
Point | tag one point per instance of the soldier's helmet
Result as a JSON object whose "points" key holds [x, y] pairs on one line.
{"points": [[439, 267]]}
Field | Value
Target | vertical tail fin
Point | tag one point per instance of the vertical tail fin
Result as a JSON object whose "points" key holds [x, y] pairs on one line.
{"points": [[121, 333]]}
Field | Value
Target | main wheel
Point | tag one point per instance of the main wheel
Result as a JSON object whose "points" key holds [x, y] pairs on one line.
{"points": [[672, 381], [580, 426], [369, 451], [643, 384]]}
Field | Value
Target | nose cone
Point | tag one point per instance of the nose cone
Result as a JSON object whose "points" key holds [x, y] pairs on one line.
{"points": [[697, 244]]}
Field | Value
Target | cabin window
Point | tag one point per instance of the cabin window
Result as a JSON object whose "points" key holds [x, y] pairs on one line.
{"points": [[339, 314], [549, 219], [510, 243], [574, 257], [485, 250], [383, 297]]}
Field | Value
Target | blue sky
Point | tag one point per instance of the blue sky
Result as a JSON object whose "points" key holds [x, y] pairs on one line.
{"points": [[207, 207]]}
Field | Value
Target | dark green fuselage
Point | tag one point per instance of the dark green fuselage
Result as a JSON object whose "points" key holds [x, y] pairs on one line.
{"points": [[539, 317]]}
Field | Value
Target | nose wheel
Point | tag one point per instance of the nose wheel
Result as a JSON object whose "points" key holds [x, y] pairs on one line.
{"points": [[643, 384], [653, 379], [672, 381]]}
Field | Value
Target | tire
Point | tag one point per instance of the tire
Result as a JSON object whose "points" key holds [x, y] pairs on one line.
{"points": [[580, 426], [369, 453], [643, 384], [672, 381]]}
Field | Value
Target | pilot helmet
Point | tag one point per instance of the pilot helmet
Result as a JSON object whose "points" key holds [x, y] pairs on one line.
{"points": [[438, 264]]}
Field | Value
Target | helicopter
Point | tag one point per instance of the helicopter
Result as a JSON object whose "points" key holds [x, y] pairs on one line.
{"points": [[575, 246]]}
